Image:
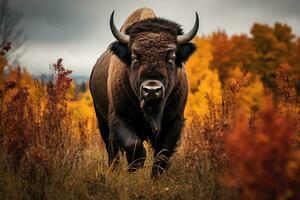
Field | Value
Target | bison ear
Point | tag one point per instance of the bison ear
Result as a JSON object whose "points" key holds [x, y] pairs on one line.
{"points": [[184, 52], [122, 51]]}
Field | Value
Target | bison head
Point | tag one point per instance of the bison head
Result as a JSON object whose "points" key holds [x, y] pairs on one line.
{"points": [[153, 50]]}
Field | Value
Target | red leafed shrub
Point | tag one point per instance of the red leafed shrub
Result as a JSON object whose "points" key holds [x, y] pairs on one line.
{"points": [[57, 89], [28, 130], [263, 162], [16, 123]]}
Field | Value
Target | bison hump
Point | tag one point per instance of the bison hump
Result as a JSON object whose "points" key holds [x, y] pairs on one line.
{"points": [[138, 15]]}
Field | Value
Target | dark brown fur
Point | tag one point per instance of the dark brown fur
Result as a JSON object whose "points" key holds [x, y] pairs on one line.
{"points": [[115, 84]]}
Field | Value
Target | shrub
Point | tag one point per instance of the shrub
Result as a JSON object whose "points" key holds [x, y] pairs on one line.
{"points": [[263, 162]]}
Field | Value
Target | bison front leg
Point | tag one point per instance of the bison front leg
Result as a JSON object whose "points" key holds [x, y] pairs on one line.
{"points": [[112, 147], [122, 130], [166, 145]]}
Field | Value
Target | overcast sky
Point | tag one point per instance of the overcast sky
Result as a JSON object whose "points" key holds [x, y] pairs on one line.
{"points": [[78, 30]]}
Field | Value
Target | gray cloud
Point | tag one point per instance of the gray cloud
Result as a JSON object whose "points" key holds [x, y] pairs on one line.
{"points": [[78, 30]]}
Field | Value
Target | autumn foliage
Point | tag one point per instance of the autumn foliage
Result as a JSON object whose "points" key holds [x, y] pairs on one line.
{"points": [[263, 161], [241, 138]]}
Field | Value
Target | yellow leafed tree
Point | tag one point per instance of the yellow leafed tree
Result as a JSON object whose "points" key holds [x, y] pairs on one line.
{"points": [[203, 81]]}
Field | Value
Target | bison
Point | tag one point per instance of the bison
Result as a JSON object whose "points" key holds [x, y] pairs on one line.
{"points": [[139, 87]]}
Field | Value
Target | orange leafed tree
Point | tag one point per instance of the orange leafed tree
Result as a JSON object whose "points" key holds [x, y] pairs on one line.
{"points": [[263, 162], [230, 53]]}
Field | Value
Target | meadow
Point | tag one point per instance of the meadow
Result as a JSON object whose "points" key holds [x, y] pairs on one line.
{"points": [[241, 138]]}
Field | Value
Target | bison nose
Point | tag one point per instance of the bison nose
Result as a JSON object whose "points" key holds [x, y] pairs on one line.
{"points": [[152, 89]]}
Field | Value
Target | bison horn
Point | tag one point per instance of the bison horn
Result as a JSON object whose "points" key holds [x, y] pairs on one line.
{"points": [[122, 37], [182, 39]]}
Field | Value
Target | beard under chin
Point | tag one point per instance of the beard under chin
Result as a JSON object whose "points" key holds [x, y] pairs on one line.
{"points": [[153, 114]]}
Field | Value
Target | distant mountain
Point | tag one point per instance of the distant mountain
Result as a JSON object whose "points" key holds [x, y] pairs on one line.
{"points": [[77, 78], [80, 78]]}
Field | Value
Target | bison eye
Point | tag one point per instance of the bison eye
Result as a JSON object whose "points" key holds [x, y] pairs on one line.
{"points": [[134, 61], [171, 59]]}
